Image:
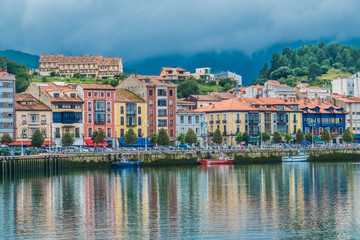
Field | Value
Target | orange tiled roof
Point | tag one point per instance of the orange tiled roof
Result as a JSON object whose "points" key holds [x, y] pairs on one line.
{"points": [[35, 105], [207, 97], [154, 80], [310, 104], [233, 104], [123, 95], [48, 87], [348, 99], [96, 87]]}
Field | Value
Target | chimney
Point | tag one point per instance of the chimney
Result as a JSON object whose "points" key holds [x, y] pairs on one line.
{"points": [[319, 101], [5, 70]]}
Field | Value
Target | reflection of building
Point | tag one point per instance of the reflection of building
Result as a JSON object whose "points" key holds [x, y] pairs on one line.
{"points": [[320, 114], [87, 66], [7, 108], [98, 110], [203, 73], [351, 105], [30, 115], [161, 98], [173, 73], [66, 105], [130, 113]]}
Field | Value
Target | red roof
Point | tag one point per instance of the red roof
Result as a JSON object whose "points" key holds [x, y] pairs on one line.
{"points": [[90, 143]]}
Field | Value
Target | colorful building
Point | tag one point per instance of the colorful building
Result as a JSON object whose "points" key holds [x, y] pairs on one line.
{"points": [[320, 114], [30, 115], [173, 73], [67, 108], [7, 108], [99, 105], [88, 66], [161, 98], [131, 113]]}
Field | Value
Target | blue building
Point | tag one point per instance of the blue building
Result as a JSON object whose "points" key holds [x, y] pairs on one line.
{"points": [[319, 115]]}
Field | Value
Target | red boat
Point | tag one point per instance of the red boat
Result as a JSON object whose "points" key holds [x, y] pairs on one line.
{"points": [[223, 159]]}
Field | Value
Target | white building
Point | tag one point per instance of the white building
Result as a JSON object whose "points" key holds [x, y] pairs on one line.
{"points": [[203, 73], [347, 86], [231, 75], [273, 89], [254, 91]]}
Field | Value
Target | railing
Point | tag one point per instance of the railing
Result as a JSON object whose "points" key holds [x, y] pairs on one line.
{"points": [[238, 121], [224, 121], [43, 122], [57, 135], [217, 121], [211, 121], [99, 122], [162, 125], [34, 123], [23, 122]]}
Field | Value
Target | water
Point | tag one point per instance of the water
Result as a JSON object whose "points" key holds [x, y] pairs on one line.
{"points": [[294, 200]]}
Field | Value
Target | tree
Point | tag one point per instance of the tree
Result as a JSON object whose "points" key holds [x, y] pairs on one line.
{"points": [[191, 137], [281, 72], [130, 137], [187, 87], [277, 137], [163, 138], [225, 81], [347, 136], [299, 136], [76, 75], [98, 137], [325, 135], [52, 74], [181, 138], [227, 87], [265, 136], [217, 138], [119, 76], [314, 70], [6, 139], [246, 137], [239, 137], [287, 137], [153, 139], [308, 137], [67, 139], [94, 136], [37, 139]]}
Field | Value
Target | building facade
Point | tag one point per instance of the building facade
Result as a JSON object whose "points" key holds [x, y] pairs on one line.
{"points": [[305, 91], [173, 73], [98, 110], [161, 98], [231, 75], [30, 115], [131, 113], [7, 106], [254, 91], [67, 109], [202, 100], [203, 73], [347, 86], [320, 114], [273, 89], [88, 66]]}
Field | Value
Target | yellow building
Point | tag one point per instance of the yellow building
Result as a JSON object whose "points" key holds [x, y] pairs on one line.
{"points": [[96, 66], [252, 115], [130, 113]]}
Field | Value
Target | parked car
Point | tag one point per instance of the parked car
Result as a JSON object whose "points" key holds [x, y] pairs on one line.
{"points": [[184, 147]]}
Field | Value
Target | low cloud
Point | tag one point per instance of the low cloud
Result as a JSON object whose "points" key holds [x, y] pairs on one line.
{"points": [[141, 28]]}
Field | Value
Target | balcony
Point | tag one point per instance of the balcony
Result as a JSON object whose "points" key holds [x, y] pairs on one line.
{"points": [[224, 121], [99, 122], [162, 125], [34, 123], [43, 122], [162, 115], [224, 133], [23, 122], [255, 122], [211, 121], [130, 124], [217, 121], [238, 121], [281, 122], [57, 135]]}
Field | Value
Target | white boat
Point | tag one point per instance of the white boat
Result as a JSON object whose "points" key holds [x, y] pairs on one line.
{"points": [[301, 157]]}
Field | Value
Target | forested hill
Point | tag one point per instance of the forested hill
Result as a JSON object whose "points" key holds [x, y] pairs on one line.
{"points": [[31, 61], [314, 64]]}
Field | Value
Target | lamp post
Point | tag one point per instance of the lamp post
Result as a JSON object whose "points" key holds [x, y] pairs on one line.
{"points": [[146, 126], [115, 140]]}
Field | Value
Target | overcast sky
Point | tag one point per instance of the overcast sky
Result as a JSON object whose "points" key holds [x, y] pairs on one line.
{"points": [[136, 29]]}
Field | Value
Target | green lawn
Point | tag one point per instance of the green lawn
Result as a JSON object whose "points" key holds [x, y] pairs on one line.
{"points": [[205, 89], [334, 73], [68, 80]]}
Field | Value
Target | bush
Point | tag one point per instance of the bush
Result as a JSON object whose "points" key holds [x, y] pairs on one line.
{"points": [[211, 83]]}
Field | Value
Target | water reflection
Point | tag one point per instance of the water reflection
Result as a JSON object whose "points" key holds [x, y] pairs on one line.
{"points": [[306, 200]]}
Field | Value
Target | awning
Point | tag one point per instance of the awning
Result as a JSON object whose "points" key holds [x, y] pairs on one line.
{"points": [[140, 143], [91, 144], [255, 139], [28, 143]]}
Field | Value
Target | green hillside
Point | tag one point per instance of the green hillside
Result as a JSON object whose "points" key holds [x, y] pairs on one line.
{"points": [[314, 64], [31, 61]]}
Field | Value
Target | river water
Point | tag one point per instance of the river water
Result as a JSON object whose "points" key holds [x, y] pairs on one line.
{"points": [[292, 200]]}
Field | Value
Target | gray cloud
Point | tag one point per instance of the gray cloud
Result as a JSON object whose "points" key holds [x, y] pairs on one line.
{"points": [[143, 28]]}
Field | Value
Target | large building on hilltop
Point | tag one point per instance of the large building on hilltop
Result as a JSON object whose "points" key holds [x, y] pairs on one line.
{"points": [[161, 98], [88, 66], [7, 108]]}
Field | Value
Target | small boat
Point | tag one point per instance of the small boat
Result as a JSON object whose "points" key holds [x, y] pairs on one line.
{"points": [[223, 159], [301, 157], [124, 163]]}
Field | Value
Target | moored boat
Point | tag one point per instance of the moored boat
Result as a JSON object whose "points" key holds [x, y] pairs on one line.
{"points": [[223, 159], [124, 163], [301, 157]]}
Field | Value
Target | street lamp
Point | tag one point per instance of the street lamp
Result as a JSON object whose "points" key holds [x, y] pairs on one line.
{"points": [[145, 126], [115, 140]]}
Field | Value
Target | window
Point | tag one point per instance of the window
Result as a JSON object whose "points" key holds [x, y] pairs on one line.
{"points": [[122, 132], [139, 121], [90, 118], [161, 92], [171, 122], [182, 119], [189, 119], [108, 106], [77, 132], [171, 113], [102, 94], [150, 102], [95, 94], [150, 92], [57, 132], [108, 94], [90, 132], [56, 95], [90, 106], [122, 122], [151, 112], [170, 92], [170, 102], [121, 110], [108, 117], [171, 133], [108, 132], [162, 123], [139, 110], [162, 103], [139, 132], [197, 119], [89, 93], [72, 95]]}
